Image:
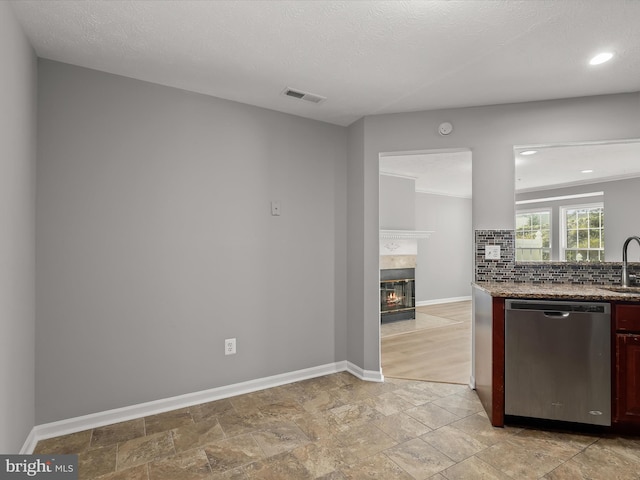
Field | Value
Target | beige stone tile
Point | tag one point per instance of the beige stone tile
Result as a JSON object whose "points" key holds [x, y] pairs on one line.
{"points": [[316, 426], [350, 394], [388, 403], [479, 427], [233, 474], [283, 409], [206, 411], [328, 382], [280, 467], [66, 444], [197, 434], [376, 466], [117, 433], [321, 401], [352, 415], [416, 394], [322, 457], [446, 389], [134, 473], [625, 446], [398, 381], [454, 443], [144, 449], [280, 438], [401, 427], [250, 401], [558, 444], [167, 421], [192, 465], [333, 476], [95, 462], [518, 461], [463, 406], [234, 423], [473, 469], [363, 441], [432, 415], [598, 462], [419, 459], [232, 453]]}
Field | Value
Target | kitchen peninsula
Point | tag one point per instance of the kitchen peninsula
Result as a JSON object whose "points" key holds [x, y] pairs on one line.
{"points": [[489, 304]]}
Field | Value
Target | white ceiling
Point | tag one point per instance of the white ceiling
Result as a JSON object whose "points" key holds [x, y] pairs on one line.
{"points": [[562, 165], [366, 57], [552, 166], [440, 173]]}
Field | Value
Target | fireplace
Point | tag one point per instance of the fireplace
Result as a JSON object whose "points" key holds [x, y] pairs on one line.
{"points": [[397, 294]]}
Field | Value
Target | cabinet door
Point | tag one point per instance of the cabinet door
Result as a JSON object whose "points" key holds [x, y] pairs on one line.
{"points": [[628, 378]]}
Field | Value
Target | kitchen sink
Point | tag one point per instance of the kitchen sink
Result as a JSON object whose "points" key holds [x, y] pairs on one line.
{"points": [[620, 289]]}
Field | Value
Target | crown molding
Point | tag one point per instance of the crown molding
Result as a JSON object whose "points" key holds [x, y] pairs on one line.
{"points": [[404, 234]]}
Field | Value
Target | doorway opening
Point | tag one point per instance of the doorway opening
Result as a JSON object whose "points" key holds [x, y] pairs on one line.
{"points": [[428, 192]]}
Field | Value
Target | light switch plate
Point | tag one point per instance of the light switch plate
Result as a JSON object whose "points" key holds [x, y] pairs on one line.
{"points": [[275, 209], [492, 252]]}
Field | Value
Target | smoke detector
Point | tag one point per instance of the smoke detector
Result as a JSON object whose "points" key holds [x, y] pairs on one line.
{"points": [[300, 95]]}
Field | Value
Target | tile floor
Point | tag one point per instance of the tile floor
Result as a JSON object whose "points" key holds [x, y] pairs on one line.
{"points": [[337, 427]]}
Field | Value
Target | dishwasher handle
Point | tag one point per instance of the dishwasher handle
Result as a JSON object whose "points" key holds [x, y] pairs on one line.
{"points": [[557, 314]]}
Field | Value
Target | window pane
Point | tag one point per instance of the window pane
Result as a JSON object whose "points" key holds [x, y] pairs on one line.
{"points": [[583, 219], [533, 236], [584, 227], [583, 238]]}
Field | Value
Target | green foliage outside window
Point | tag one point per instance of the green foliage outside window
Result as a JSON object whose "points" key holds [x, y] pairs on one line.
{"points": [[533, 236], [584, 228]]}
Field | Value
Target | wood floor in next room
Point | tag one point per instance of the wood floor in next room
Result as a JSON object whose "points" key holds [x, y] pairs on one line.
{"points": [[435, 347]]}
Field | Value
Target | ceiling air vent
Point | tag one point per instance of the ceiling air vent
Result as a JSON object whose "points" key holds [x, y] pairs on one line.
{"points": [[309, 97]]}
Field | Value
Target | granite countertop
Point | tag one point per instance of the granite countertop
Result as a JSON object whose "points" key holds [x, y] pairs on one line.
{"points": [[556, 291]]}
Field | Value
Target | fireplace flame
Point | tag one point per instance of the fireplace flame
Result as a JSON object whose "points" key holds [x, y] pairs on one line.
{"points": [[393, 299]]}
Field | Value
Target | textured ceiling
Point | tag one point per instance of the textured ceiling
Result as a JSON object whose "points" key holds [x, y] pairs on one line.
{"points": [[366, 57], [563, 165], [440, 173]]}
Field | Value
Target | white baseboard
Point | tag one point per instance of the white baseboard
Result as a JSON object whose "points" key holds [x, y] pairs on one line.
{"points": [[99, 419], [472, 382], [29, 443], [424, 303], [367, 375]]}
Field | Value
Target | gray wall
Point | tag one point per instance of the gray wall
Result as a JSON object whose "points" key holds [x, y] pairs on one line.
{"points": [[621, 220], [355, 242], [17, 237], [397, 203], [156, 242], [445, 259], [490, 132]]}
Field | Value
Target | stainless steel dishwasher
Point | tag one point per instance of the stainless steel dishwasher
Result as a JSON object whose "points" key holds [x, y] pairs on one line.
{"points": [[558, 360]]}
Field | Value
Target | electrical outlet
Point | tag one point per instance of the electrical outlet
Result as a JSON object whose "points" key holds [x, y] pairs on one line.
{"points": [[230, 346], [492, 252]]}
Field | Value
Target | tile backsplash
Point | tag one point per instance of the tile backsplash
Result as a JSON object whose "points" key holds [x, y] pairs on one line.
{"points": [[507, 270]]}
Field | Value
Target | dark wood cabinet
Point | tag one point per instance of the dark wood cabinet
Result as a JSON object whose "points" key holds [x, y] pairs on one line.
{"points": [[489, 360], [627, 365]]}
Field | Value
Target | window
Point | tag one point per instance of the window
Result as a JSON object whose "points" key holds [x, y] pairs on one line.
{"points": [[533, 236], [583, 237]]}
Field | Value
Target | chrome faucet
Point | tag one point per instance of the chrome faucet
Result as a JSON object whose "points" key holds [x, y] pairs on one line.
{"points": [[626, 278]]}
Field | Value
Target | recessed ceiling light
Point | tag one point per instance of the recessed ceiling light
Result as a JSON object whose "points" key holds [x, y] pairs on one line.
{"points": [[529, 152], [601, 58], [586, 171]]}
